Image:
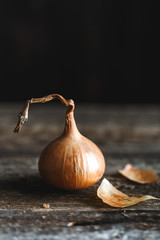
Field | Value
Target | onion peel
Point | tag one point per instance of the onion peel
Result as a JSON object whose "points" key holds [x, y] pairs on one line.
{"points": [[115, 198], [138, 175]]}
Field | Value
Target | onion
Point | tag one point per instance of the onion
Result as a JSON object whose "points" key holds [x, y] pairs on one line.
{"points": [[71, 161]]}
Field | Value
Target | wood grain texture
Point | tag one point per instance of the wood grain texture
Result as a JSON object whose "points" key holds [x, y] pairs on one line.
{"points": [[125, 134]]}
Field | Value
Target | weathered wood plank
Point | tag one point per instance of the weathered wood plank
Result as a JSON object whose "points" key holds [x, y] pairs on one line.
{"points": [[47, 230], [125, 134], [111, 127], [22, 189]]}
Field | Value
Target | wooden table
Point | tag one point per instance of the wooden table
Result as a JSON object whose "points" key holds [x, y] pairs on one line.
{"points": [[125, 134]]}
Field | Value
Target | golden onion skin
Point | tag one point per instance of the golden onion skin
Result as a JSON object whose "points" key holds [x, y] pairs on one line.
{"points": [[71, 161]]}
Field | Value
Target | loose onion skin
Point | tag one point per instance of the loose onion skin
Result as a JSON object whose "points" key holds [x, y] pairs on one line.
{"points": [[71, 161]]}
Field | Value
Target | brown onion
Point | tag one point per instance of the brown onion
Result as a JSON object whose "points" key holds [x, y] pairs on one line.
{"points": [[71, 161]]}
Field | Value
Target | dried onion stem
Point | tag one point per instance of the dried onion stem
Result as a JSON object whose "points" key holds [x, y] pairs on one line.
{"points": [[23, 115]]}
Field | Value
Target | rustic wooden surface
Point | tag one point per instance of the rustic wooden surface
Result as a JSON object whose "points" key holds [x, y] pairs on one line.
{"points": [[125, 134]]}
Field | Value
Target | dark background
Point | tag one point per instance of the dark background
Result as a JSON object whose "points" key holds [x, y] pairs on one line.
{"points": [[91, 51]]}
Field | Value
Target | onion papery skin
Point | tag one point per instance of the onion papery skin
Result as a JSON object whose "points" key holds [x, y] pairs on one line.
{"points": [[71, 161]]}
